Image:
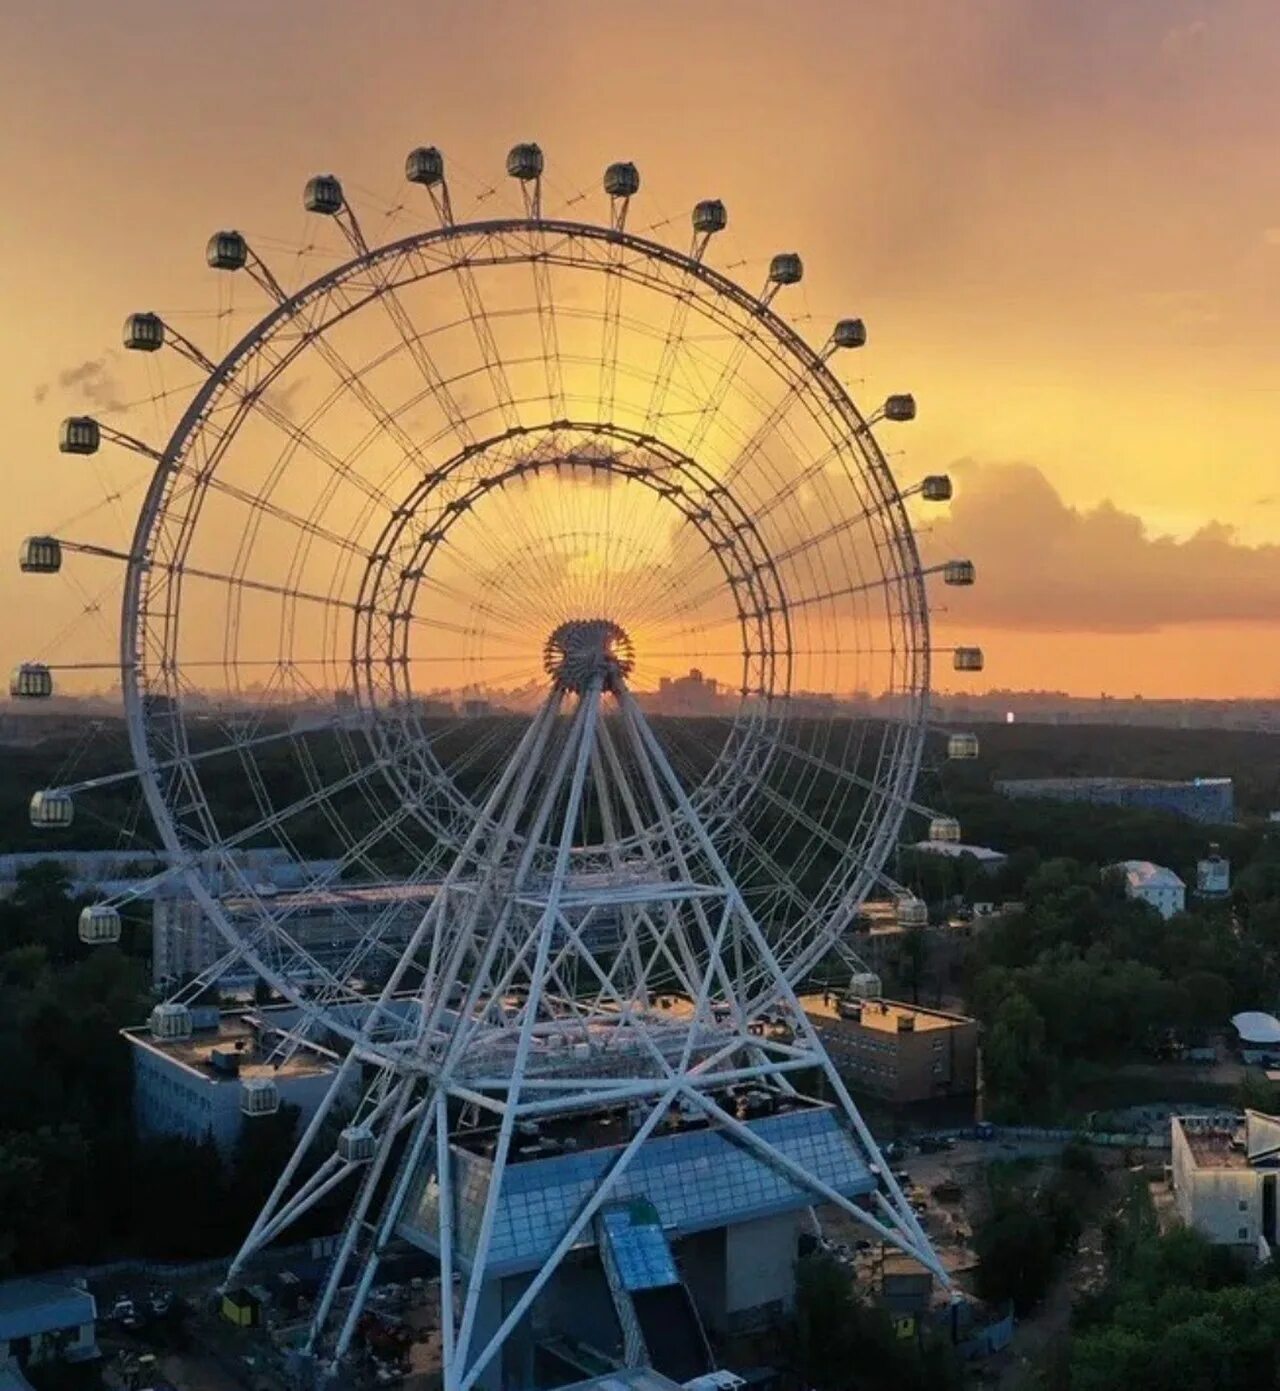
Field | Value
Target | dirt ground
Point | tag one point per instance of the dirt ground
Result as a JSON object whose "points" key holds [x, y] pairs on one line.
{"points": [[950, 1227]]}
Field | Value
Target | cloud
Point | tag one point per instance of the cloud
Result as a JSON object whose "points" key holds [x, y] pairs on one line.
{"points": [[1184, 41], [1044, 566], [91, 382]]}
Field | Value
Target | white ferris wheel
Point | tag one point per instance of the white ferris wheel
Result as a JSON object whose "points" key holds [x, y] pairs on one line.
{"points": [[542, 589]]}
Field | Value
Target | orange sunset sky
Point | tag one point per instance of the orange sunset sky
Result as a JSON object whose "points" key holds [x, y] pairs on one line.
{"points": [[1059, 218]]}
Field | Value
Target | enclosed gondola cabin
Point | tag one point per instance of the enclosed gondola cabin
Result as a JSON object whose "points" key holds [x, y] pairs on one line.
{"points": [[259, 1096], [51, 810], [899, 407], [936, 488], [710, 216], [226, 251], [959, 572], [323, 194], [31, 681], [849, 333], [143, 333], [40, 555], [99, 924], [962, 746], [621, 180], [356, 1144], [912, 912], [79, 434], [425, 166], [525, 162], [967, 659], [944, 828], [786, 268], [170, 1021]]}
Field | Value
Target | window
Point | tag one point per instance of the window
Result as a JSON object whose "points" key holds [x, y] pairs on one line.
{"points": [[1244, 1206], [1243, 1233]]}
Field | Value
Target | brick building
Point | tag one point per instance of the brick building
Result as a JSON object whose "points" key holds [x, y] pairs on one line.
{"points": [[902, 1053]]}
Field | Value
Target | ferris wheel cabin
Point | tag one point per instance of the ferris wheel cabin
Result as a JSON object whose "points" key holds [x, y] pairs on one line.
{"points": [[967, 659], [944, 828], [912, 912], [323, 194], [356, 1144], [50, 810], [622, 180], [525, 162], [170, 1021], [900, 407], [259, 1096], [226, 251], [40, 555], [710, 216], [786, 268], [31, 681], [99, 924], [959, 572], [962, 746], [936, 488], [143, 333], [849, 333], [79, 434], [425, 166]]}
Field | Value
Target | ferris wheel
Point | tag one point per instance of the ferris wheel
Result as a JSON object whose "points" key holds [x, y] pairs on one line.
{"points": [[536, 584]]}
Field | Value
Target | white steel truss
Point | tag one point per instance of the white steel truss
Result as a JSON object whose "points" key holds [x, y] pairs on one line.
{"points": [[525, 1010]]}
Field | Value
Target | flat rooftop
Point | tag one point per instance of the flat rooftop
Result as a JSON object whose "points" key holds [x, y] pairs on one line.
{"points": [[1215, 1146], [356, 896], [246, 1036], [611, 1127], [880, 1014]]}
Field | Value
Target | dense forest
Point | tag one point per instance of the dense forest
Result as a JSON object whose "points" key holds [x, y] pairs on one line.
{"points": [[1082, 979]]}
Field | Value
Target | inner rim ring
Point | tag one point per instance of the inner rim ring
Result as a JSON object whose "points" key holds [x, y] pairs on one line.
{"points": [[415, 531]]}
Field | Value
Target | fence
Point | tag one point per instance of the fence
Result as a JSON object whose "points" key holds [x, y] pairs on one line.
{"points": [[163, 1271], [1034, 1134]]}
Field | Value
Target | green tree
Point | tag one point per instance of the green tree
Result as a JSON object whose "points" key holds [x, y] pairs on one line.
{"points": [[1015, 1066]]}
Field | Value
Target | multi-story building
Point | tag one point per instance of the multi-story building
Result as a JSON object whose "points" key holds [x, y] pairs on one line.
{"points": [[902, 1053], [326, 923], [990, 860], [1211, 800], [699, 1240], [195, 1086], [1153, 884], [119, 871], [1224, 1179]]}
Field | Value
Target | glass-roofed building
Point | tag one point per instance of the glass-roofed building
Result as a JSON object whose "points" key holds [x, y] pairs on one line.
{"points": [[700, 1235]]}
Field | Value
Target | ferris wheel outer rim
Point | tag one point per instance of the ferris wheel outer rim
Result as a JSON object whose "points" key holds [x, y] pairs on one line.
{"points": [[909, 574]]}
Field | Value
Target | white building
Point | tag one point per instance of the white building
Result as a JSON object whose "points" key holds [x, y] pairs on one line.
{"points": [[41, 1321], [990, 860], [192, 1087], [1153, 884], [1258, 1034], [1224, 1179]]}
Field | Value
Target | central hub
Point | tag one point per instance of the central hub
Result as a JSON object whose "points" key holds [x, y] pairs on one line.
{"points": [[586, 650]]}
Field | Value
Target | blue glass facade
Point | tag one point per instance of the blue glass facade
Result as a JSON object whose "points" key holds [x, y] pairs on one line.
{"points": [[641, 1251], [694, 1179]]}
